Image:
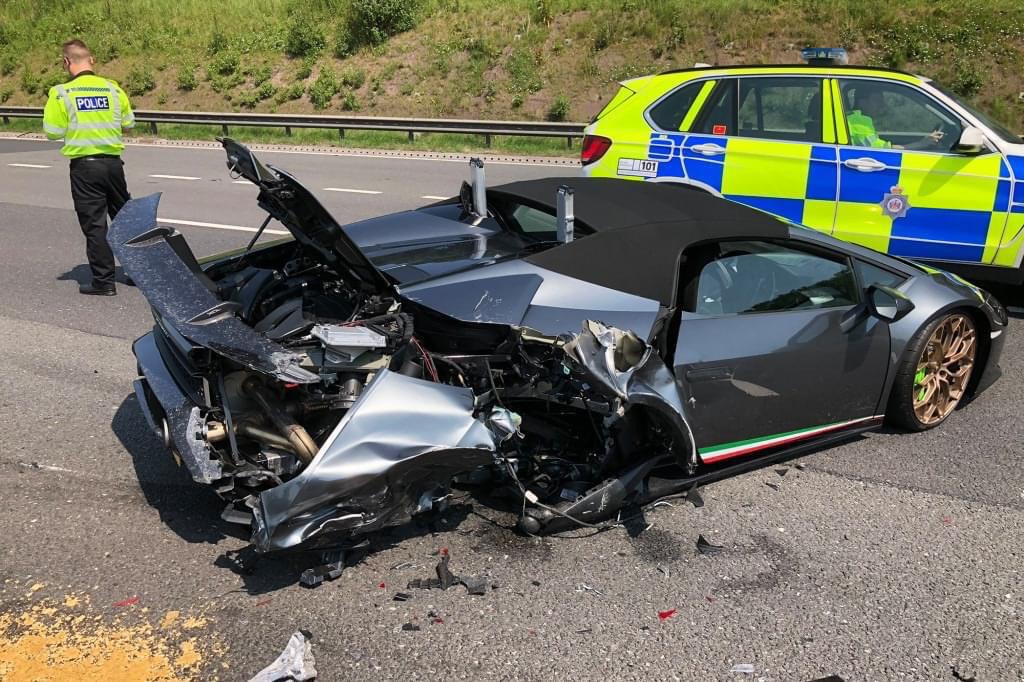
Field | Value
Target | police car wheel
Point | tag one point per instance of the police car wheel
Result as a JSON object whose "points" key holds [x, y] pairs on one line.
{"points": [[935, 372]]}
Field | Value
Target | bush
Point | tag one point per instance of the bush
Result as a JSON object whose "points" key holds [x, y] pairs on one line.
{"points": [[293, 91], [247, 99], [8, 63], [559, 109], [266, 91], [304, 37], [223, 64], [139, 81], [5, 94], [372, 22], [218, 42], [324, 88], [261, 74], [305, 69], [350, 102], [967, 81], [186, 79], [343, 43], [353, 78], [29, 82]]}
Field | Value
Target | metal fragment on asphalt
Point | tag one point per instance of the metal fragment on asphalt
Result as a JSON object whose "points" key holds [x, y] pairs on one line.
{"points": [[705, 547]]}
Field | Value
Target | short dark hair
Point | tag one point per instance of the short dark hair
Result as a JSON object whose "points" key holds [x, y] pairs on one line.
{"points": [[75, 50]]}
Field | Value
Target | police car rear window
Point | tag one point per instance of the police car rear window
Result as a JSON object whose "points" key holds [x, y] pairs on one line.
{"points": [[668, 114]]}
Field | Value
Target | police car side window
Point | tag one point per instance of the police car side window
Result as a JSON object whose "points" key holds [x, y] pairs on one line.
{"points": [[893, 115], [782, 108], [719, 115], [668, 113], [758, 277]]}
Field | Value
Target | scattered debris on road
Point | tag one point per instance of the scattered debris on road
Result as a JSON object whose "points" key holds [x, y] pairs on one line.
{"points": [[587, 588], [130, 601], [705, 547], [295, 664], [476, 585], [665, 615], [410, 627], [746, 668]]}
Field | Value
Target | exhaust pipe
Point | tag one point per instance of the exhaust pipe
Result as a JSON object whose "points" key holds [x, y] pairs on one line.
{"points": [[476, 171], [301, 442]]}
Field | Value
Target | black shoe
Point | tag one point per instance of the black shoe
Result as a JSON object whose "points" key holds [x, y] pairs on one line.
{"points": [[92, 290]]}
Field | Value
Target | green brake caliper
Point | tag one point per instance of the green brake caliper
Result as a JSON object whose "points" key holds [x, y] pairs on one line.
{"points": [[918, 380]]}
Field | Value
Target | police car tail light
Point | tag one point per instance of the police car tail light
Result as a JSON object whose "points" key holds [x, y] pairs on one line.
{"points": [[594, 147]]}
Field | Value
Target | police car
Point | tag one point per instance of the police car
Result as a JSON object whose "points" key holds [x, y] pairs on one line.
{"points": [[882, 158]]}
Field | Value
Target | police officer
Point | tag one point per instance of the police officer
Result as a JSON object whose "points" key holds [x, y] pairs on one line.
{"points": [[870, 104], [89, 113]]}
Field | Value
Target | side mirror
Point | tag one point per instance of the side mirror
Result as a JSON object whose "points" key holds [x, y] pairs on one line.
{"points": [[888, 304], [972, 141]]}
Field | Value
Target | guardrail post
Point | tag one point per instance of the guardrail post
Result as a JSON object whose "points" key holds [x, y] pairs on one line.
{"points": [[568, 142], [412, 136], [224, 129], [487, 139], [288, 131], [341, 133], [152, 127], [7, 121]]}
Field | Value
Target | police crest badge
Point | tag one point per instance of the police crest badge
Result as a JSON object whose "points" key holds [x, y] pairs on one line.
{"points": [[894, 203]]}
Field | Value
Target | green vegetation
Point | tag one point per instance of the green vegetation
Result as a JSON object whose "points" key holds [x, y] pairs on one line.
{"points": [[525, 59]]}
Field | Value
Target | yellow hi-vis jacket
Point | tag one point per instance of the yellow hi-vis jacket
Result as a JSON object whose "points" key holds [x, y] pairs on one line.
{"points": [[88, 113]]}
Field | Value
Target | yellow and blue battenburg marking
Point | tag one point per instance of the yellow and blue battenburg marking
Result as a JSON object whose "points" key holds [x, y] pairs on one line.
{"points": [[911, 204]]}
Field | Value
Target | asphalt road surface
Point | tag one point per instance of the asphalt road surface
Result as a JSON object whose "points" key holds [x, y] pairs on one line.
{"points": [[891, 557]]}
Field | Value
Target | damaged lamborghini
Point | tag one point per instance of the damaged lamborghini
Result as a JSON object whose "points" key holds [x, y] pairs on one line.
{"points": [[588, 344]]}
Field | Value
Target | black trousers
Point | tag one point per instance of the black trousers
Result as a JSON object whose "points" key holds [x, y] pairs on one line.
{"points": [[98, 189]]}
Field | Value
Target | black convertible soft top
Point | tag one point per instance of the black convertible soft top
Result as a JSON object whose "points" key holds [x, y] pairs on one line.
{"points": [[640, 229]]}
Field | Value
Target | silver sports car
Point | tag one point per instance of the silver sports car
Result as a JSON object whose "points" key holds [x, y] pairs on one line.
{"points": [[585, 344]]}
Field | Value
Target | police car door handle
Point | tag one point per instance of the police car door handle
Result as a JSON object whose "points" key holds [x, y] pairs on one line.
{"points": [[709, 149], [865, 165]]}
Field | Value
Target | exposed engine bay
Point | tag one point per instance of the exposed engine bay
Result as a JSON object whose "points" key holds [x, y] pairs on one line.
{"points": [[323, 405], [554, 408]]}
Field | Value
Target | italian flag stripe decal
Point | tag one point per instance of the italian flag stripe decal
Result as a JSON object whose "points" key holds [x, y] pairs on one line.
{"points": [[745, 447]]}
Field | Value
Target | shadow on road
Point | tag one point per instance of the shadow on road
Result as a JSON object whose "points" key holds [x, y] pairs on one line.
{"points": [[190, 510], [83, 275]]}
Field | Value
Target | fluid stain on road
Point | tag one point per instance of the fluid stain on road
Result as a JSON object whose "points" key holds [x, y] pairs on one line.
{"points": [[64, 639]]}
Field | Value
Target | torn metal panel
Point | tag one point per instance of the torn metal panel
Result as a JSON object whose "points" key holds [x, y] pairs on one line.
{"points": [[390, 456], [166, 272]]}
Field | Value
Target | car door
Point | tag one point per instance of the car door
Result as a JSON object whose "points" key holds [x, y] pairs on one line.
{"points": [[902, 193], [760, 355]]}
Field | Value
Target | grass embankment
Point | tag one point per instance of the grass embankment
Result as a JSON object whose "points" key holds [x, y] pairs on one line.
{"points": [[515, 59]]}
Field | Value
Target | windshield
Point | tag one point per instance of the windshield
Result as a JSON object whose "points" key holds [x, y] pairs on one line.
{"points": [[993, 125]]}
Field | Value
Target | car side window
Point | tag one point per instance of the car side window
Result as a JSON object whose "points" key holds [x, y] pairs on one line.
{"points": [[719, 115], [669, 112], [872, 274], [780, 108], [885, 115], [744, 277]]}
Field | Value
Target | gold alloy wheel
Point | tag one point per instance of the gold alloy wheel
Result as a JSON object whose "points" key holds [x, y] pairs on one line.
{"points": [[944, 369]]}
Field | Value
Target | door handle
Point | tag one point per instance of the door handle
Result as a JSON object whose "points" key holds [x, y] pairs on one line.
{"points": [[709, 374], [709, 149], [865, 165]]}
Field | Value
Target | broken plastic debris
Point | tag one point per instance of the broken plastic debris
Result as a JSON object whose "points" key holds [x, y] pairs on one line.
{"points": [[705, 547], [665, 615], [694, 497], [402, 596], [666, 570], [782, 472], [445, 578], [410, 627], [587, 588], [382, 586], [332, 566], [130, 601], [743, 668], [295, 663], [773, 486]]}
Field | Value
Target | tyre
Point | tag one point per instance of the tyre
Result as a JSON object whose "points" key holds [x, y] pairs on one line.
{"points": [[933, 375]]}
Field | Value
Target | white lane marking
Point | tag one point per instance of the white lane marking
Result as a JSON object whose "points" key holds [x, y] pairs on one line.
{"points": [[217, 226], [352, 191], [240, 182], [174, 177], [433, 196], [28, 165], [367, 154]]}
